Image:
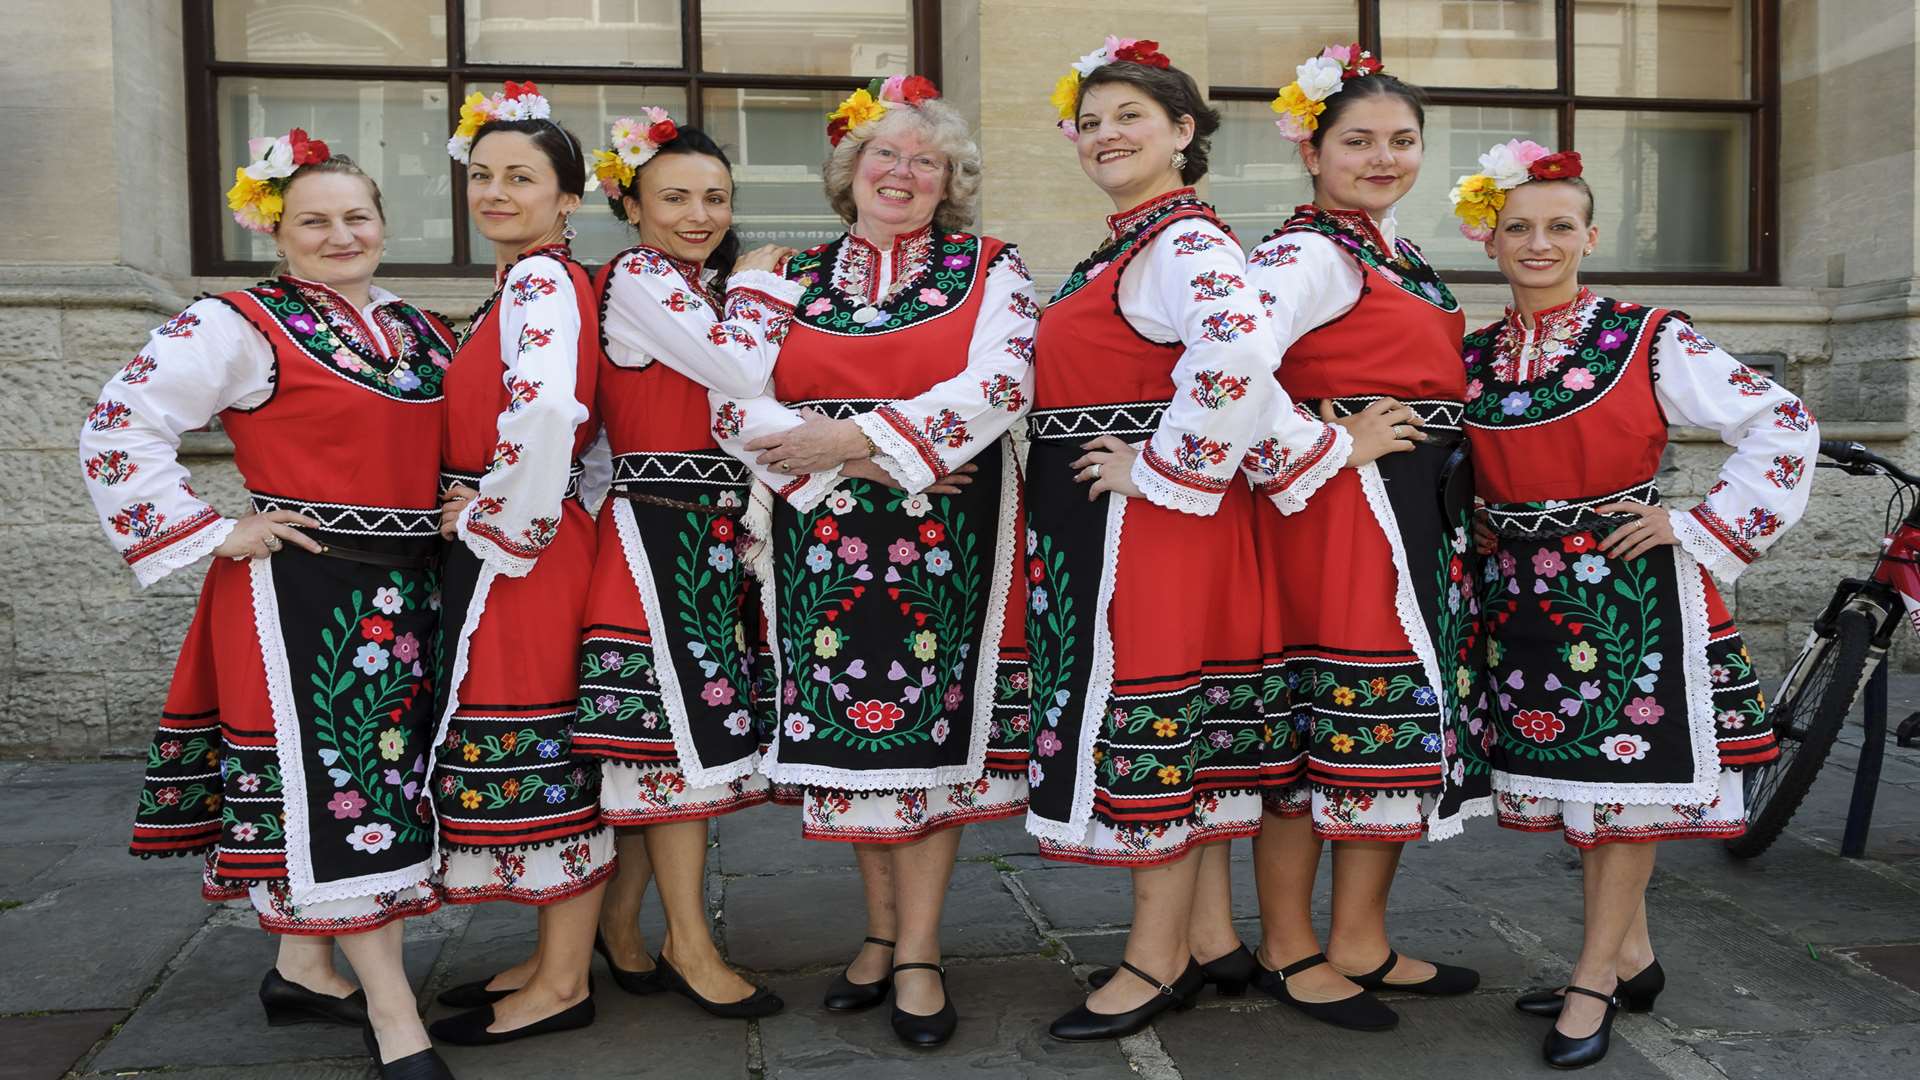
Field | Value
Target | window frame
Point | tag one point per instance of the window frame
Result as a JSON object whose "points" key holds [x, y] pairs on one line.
{"points": [[204, 70], [1761, 106]]}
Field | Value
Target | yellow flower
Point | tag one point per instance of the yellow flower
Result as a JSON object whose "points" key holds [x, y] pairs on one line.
{"points": [[1169, 774], [1343, 743], [1066, 94], [1165, 728], [924, 645], [1382, 732], [826, 643], [1378, 686], [1463, 680], [1582, 656], [470, 799], [608, 168], [472, 115], [1294, 102], [255, 203], [1477, 200], [470, 752], [859, 108], [1342, 695]]}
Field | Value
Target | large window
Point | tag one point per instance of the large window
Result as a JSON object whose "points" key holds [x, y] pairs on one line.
{"points": [[1670, 102], [382, 81]]}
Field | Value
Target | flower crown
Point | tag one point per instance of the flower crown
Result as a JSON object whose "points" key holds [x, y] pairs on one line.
{"points": [[634, 144], [1301, 101], [1477, 199], [871, 102], [519, 101], [1066, 92], [259, 187]]}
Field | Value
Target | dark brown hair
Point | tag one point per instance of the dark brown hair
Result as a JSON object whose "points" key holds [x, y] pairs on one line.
{"points": [[1370, 86], [559, 144], [690, 140], [1173, 90]]}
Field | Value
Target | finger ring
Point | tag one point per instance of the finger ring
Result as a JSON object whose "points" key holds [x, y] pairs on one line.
{"points": [[1399, 431], [273, 543], [1095, 468]]}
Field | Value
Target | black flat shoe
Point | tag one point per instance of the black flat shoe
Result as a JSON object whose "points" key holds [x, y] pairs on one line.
{"points": [[287, 1002], [762, 1002], [421, 1065], [1636, 994], [845, 995], [633, 982], [1361, 1012], [470, 1028], [1567, 1052], [471, 995], [1085, 1025], [1445, 981], [926, 1031], [1228, 974]]}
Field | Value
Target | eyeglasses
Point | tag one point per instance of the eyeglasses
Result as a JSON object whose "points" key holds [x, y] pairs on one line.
{"points": [[923, 165]]}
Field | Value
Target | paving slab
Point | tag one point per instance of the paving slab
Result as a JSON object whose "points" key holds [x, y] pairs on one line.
{"points": [[21, 863], [1887, 1052], [801, 921], [330, 1069], [74, 803], [1811, 892], [1901, 963], [65, 948], [766, 840], [1001, 836], [45, 1047], [1004, 1008], [207, 1012]]}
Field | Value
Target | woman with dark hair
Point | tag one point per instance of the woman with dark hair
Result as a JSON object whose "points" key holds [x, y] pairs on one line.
{"points": [[1154, 380], [1627, 701], [1376, 743], [309, 804], [519, 818], [666, 691]]}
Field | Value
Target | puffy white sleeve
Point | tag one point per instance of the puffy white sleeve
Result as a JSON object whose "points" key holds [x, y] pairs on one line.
{"points": [[1226, 404], [738, 421], [652, 314], [1763, 487], [517, 512], [924, 438], [204, 360]]}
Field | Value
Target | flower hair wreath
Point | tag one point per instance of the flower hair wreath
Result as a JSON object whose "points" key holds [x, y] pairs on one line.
{"points": [[1066, 92], [258, 194], [1477, 199], [518, 101], [1301, 101], [634, 144], [871, 102]]}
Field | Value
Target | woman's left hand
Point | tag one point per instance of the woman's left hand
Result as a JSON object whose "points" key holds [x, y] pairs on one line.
{"points": [[1651, 527], [1108, 464], [817, 444], [453, 500]]}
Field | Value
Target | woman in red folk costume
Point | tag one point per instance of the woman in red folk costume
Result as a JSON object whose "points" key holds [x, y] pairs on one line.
{"points": [[665, 681], [892, 592], [1378, 672], [310, 804], [1626, 700], [1153, 379], [519, 817]]}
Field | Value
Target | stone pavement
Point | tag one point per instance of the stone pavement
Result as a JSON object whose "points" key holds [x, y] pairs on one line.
{"points": [[1798, 964]]}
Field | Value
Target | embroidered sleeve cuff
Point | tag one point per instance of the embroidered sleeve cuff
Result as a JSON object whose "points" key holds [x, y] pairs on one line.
{"points": [[807, 491], [903, 458], [771, 288], [181, 547], [1704, 536], [1164, 484], [1295, 482], [495, 550]]}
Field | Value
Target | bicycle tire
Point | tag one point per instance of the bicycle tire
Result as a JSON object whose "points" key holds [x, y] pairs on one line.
{"points": [[1835, 681]]}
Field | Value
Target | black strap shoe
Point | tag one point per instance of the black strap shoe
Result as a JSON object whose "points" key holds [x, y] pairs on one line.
{"points": [[1445, 981], [845, 995], [1636, 995], [422, 1065], [926, 1031], [1563, 1051], [1361, 1012], [1228, 974], [287, 1002], [633, 982], [470, 1028], [762, 1002], [1085, 1025], [471, 995]]}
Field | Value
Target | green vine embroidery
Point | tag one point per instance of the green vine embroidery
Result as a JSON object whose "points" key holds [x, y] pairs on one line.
{"points": [[362, 681]]}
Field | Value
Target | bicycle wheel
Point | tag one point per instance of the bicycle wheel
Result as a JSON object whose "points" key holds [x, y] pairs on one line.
{"points": [[1813, 704]]}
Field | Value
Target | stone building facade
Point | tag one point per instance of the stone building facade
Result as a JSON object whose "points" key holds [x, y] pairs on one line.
{"points": [[97, 251]]}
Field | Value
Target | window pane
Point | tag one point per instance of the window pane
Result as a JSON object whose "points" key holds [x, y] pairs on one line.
{"points": [[1254, 176], [1259, 43], [412, 32], [819, 37], [1479, 43], [617, 33], [1660, 48], [778, 140], [396, 131], [1456, 137], [1670, 189], [588, 111]]}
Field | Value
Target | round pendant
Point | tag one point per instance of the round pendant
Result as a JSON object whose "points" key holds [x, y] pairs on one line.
{"points": [[866, 315]]}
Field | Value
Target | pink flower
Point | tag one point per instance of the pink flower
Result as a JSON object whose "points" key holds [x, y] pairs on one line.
{"points": [[933, 297], [1548, 564], [1577, 379], [1644, 710], [346, 804], [407, 648], [1340, 54], [1046, 744], [717, 692], [852, 550], [818, 306], [903, 552], [1475, 389]]}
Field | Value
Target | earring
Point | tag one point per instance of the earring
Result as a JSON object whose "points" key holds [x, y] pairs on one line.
{"points": [[567, 233], [1589, 251], [280, 254], [1179, 159]]}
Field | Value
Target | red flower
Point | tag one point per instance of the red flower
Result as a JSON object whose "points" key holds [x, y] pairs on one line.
{"points": [[875, 716], [827, 529], [932, 533], [836, 130], [722, 528], [376, 628], [1145, 51], [1036, 570], [1564, 165], [1363, 64], [1578, 543], [918, 88], [516, 90], [1538, 725], [663, 132], [307, 151]]}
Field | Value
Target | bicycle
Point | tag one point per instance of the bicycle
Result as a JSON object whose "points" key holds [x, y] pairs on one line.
{"points": [[1847, 647]]}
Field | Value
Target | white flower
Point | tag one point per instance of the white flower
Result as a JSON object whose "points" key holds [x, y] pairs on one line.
{"points": [[510, 109], [387, 600], [1091, 62], [738, 721], [459, 147], [799, 728], [371, 839], [1504, 166], [1319, 78], [1624, 748], [916, 505], [841, 501], [940, 731], [627, 132], [272, 158]]}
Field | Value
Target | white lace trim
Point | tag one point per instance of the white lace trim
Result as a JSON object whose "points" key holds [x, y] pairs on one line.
{"points": [[288, 750], [1293, 498], [757, 520], [897, 455], [808, 495], [773, 286], [1700, 721], [1705, 549], [476, 607], [492, 555], [1405, 604], [1093, 710], [672, 698], [185, 553], [1168, 495]]}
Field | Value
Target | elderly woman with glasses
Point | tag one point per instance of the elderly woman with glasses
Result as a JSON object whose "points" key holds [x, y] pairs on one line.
{"points": [[891, 585]]}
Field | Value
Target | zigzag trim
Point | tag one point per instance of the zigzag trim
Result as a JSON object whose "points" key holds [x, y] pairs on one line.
{"points": [[690, 468], [1137, 419], [350, 518], [1531, 521]]}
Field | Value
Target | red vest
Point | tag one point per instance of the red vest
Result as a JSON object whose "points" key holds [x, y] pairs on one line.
{"points": [[653, 408]]}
